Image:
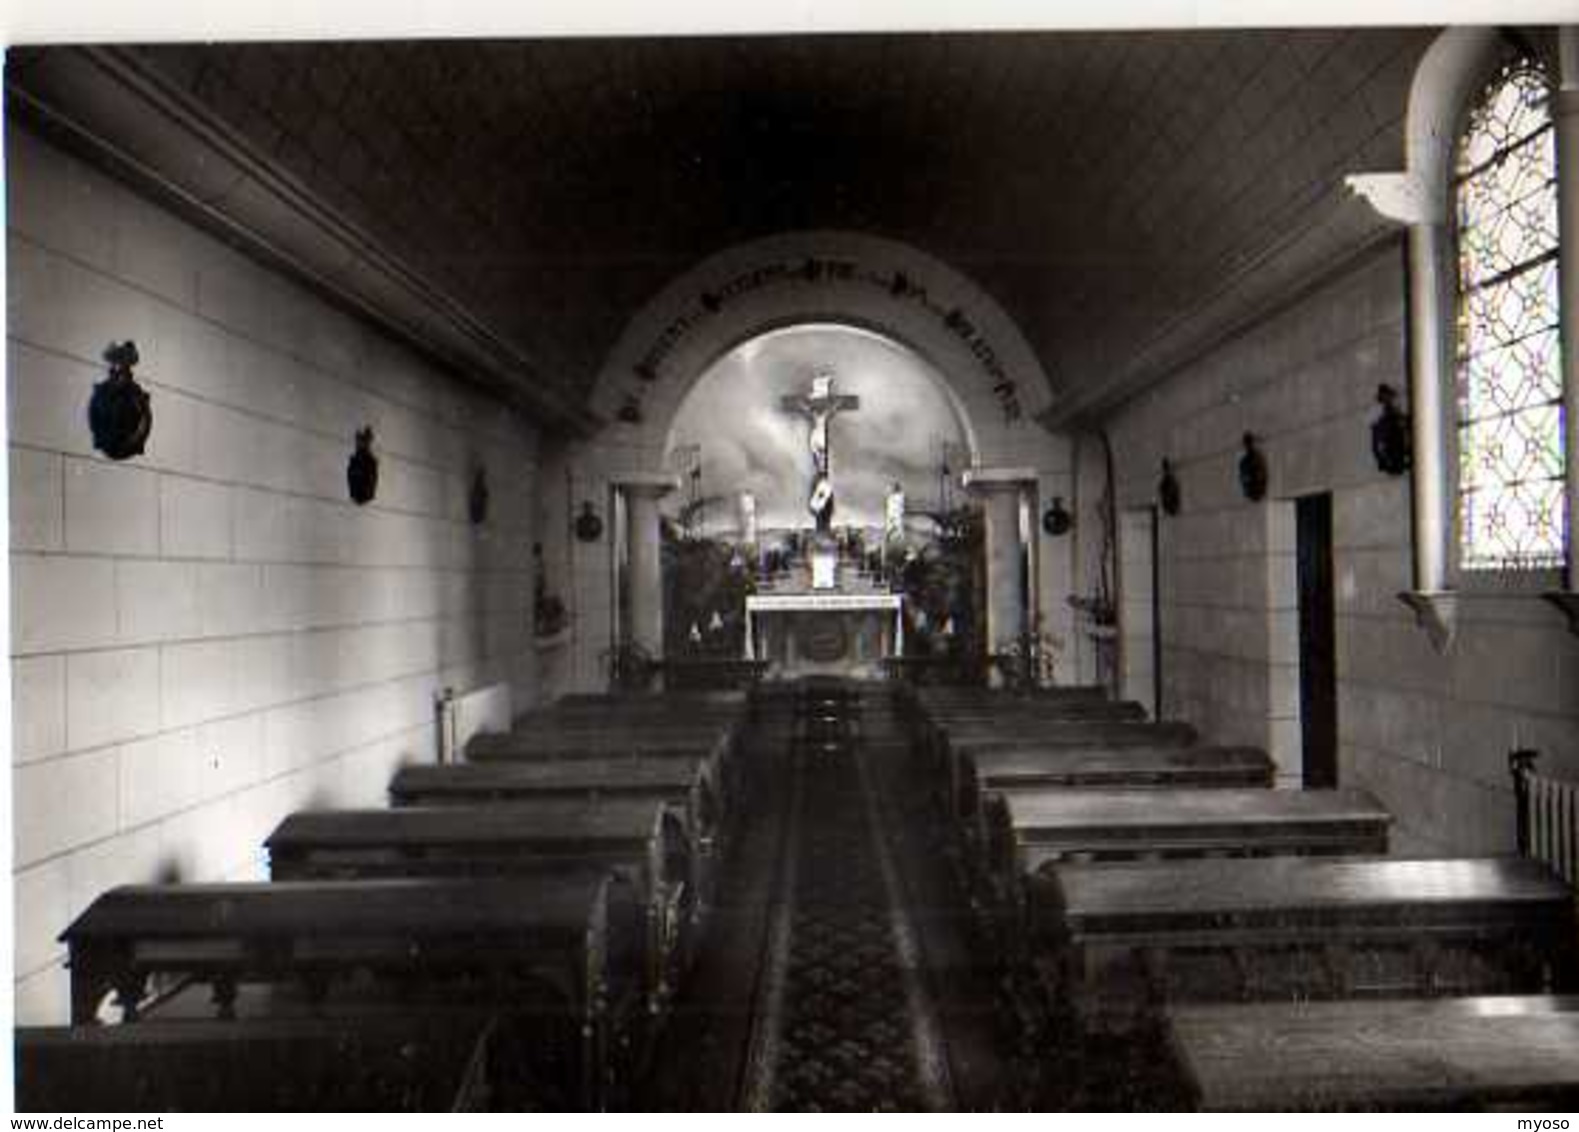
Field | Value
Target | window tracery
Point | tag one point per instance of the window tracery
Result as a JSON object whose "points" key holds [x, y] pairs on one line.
{"points": [[1508, 368]]}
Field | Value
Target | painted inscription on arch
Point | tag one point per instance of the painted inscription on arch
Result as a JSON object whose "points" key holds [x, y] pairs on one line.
{"points": [[711, 302]]}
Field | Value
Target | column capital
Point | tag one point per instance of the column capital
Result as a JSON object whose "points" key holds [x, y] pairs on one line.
{"points": [[653, 484], [989, 481]]}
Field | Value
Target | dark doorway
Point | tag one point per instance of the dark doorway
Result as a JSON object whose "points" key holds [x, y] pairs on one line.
{"points": [[1318, 678]]}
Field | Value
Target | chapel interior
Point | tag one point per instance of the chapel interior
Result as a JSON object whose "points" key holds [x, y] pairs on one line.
{"points": [[846, 572]]}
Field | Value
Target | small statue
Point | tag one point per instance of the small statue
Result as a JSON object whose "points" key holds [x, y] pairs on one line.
{"points": [[1168, 491], [1252, 470], [1391, 443], [361, 471], [120, 413]]}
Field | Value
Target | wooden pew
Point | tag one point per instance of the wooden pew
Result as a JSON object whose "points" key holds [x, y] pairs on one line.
{"points": [[433, 1062], [1118, 942], [930, 705], [950, 743], [1402, 1054], [686, 781], [941, 671], [690, 676], [643, 839], [716, 746], [595, 743], [1092, 733], [719, 698], [1130, 768], [941, 694], [1030, 828], [681, 713], [557, 953], [1031, 710]]}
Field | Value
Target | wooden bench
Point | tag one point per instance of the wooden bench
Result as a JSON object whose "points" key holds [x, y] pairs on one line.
{"points": [[717, 746], [1414, 1055], [434, 1062], [941, 671], [709, 674], [946, 744], [1026, 830], [1032, 710], [737, 700], [690, 783], [928, 706], [938, 695], [1130, 768], [595, 743], [1030, 828], [1090, 733], [642, 839], [677, 711], [563, 953], [1115, 943]]}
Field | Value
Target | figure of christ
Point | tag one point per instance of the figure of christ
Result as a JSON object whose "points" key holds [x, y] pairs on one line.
{"points": [[819, 407]]}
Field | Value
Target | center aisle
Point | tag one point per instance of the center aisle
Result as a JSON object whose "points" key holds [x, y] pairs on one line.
{"points": [[845, 1022], [841, 977]]}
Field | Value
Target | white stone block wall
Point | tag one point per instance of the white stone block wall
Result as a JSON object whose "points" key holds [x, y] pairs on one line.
{"points": [[211, 635], [1429, 734]]}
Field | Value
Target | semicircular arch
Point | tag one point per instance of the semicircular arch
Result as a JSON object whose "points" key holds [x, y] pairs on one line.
{"points": [[874, 284]]}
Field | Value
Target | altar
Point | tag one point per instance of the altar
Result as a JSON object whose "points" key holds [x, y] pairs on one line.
{"points": [[824, 612], [805, 633]]}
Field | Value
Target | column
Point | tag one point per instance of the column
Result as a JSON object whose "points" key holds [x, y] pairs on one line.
{"points": [[1418, 199], [643, 549], [1431, 424], [1000, 490]]}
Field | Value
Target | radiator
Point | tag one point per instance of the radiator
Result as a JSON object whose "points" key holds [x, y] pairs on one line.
{"points": [[1548, 816], [464, 714]]}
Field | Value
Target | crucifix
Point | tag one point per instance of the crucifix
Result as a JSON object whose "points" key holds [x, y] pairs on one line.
{"points": [[820, 406]]}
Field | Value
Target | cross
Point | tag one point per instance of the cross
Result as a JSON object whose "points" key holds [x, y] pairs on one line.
{"points": [[820, 406]]}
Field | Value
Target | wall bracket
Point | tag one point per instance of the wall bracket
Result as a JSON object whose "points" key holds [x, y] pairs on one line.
{"points": [[1436, 611]]}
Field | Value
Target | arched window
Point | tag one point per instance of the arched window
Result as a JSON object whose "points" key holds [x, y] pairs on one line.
{"points": [[1511, 508]]}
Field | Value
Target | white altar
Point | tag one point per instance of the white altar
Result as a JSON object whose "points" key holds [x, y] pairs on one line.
{"points": [[811, 632]]}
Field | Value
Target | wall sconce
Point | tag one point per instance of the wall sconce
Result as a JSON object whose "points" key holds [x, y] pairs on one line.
{"points": [[1168, 491], [1391, 443], [361, 470], [1252, 470], [1057, 520], [477, 499], [120, 413], [589, 528]]}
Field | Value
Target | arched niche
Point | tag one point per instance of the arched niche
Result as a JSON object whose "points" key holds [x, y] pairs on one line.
{"points": [[863, 281], [730, 427], [880, 285]]}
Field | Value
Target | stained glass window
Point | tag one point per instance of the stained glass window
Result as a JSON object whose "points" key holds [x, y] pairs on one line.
{"points": [[1510, 425]]}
